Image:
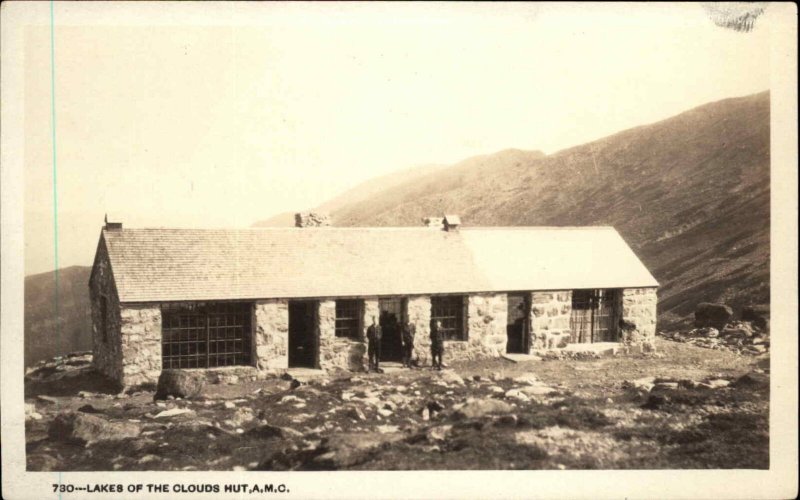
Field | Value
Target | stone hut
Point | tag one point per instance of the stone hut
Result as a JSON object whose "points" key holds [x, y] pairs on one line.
{"points": [[263, 300]]}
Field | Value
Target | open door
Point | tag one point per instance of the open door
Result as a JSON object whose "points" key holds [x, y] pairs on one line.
{"points": [[302, 334], [517, 324], [391, 321]]}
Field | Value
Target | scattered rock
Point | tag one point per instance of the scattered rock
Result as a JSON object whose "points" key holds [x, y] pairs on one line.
{"points": [[242, 416], [173, 412], [180, 383], [88, 409], [537, 390], [451, 377], [229, 405], [425, 414], [438, 433], [758, 315], [86, 429], [655, 401], [385, 413], [355, 412], [480, 407], [528, 379], [516, 394], [47, 399], [31, 413], [348, 449], [434, 406]]}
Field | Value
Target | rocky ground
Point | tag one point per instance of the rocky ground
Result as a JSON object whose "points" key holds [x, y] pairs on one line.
{"points": [[739, 336], [682, 407]]}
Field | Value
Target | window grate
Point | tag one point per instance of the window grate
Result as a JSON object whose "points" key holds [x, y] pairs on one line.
{"points": [[205, 334], [348, 318], [449, 309]]}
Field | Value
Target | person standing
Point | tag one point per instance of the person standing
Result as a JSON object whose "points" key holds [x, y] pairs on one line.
{"points": [[409, 332], [437, 344], [374, 335]]}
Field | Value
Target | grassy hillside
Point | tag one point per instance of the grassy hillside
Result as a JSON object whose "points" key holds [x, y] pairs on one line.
{"points": [[44, 338], [690, 194]]}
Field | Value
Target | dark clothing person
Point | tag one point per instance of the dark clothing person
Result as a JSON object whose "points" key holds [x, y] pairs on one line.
{"points": [[409, 332], [374, 335], [437, 346]]}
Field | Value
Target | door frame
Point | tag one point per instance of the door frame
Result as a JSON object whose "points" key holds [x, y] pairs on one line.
{"points": [[403, 313], [525, 339], [313, 305]]}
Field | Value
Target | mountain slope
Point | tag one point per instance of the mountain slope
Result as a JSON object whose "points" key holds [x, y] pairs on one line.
{"points": [[690, 194], [365, 190], [44, 338]]}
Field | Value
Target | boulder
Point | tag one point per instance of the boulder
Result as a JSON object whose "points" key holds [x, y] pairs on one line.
{"points": [[347, 449], [180, 384], [752, 379], [482, 407], [86, 429], [758, 315], [714, 315]]}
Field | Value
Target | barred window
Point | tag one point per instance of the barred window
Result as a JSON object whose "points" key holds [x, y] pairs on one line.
{"points": [[449, 309], [348, 318], [205, 334]]}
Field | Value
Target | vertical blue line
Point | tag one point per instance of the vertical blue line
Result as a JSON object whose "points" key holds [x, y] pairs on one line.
{"points": [[55, 171]]}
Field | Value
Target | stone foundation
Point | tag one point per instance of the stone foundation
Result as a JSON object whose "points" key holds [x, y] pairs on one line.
{"points": [[638, 315], [140, 330], [271, 342], [549, 319]]}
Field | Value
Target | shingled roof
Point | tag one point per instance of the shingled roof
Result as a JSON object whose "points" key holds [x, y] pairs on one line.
{"points": [[209, 264]]}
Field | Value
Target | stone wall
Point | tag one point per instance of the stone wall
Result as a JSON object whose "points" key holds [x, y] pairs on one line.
{"points": [[638, 314], [140, 334], [271, 343], [338, 352], [486, 329], [311, 219], [549, 319], [418, 311], [106, 346]]}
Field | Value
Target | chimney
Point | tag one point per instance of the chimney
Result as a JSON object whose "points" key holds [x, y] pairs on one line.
{"points": [[433, 222], [111, 226], [311, 219], [451, 222]]}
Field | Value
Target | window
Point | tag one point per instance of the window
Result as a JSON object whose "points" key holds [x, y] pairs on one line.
{"points": [[205, 334], [104, 317], [449, 309], [348, 318]]}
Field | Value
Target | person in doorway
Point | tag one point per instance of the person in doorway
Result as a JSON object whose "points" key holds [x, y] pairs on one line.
{"points": [[437, 344], [374, 334], [409, 332]]}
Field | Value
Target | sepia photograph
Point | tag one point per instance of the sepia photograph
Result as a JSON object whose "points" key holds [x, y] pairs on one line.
{"points": [[397, 237]]}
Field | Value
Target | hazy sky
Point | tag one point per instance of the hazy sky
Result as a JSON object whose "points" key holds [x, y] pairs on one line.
{"points": [[219, 126]]}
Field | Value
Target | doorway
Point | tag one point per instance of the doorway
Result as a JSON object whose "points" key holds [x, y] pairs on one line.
{"points": [[517, 324], [391, 321], [594, 316], [302, 334]]}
